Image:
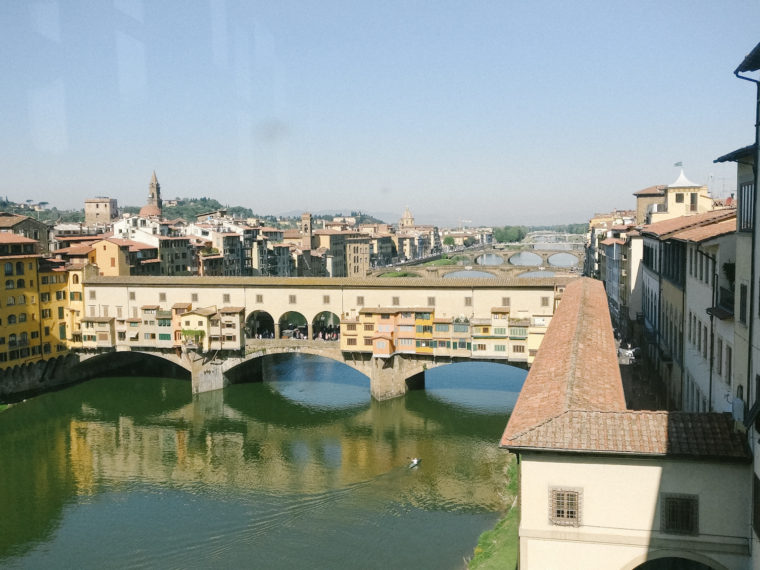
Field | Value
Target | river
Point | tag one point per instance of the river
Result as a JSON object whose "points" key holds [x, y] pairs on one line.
{"points": [[302, 470]]}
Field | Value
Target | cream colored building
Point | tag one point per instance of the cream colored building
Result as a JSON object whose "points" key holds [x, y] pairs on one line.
{"points": [[602, 486]]}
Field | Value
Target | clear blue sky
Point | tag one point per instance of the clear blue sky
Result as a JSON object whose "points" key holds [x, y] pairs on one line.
{"points": [[497, 112]]}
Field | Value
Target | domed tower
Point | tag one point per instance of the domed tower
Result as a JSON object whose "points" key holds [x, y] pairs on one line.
{"points": [[153, 208], [407, 220]]}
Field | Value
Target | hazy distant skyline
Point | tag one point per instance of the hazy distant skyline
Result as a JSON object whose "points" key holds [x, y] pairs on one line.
{"points": [[495, 112]]}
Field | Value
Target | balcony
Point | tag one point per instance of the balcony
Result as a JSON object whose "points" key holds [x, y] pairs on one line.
{"points": [[724, 309]]}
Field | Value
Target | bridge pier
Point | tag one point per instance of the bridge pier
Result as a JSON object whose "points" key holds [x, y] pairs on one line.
{"points": [[209, 374], [393, 377]]}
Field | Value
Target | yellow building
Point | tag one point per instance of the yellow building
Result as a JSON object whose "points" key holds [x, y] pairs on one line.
{"points": [[20, 341], [53, 305]]}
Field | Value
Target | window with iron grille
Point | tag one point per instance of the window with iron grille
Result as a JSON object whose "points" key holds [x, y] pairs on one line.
{"points": [[565, 507], [679, 514]]}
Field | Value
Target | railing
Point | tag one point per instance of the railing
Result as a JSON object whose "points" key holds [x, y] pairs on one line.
{"points": [[726, 299]]}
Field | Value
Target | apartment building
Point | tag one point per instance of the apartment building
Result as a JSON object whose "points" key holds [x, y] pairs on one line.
{"points": [[20, 341]]}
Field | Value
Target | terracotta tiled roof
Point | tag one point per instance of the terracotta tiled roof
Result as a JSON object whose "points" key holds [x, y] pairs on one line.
{"points": [[705, 233], [651, 191], [8, 220], [612, 241], [8, 237], [231, 310], [639, 433], [572, 399], [358, 282], [666, 227]]}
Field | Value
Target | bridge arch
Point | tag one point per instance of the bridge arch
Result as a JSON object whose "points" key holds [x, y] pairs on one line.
{"points": [[167, 363], [293, 324], [680, 559], [325, 326], [259, 324]]}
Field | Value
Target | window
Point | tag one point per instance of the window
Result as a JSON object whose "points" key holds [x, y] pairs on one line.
{"points": [[92, 294], [565, 507], [441, 327], [468, 301], [679, 198], [505, 301], [369, 327], [194, 297], [431, 301], [162, 297], [259, 298], [395, 301], [519, 348], [351, 342], [226, 298], [292, 299], [360, 301], [131, 295], [351, 327], [9, 268], [325, 299], [544, 301], [679, 514]]}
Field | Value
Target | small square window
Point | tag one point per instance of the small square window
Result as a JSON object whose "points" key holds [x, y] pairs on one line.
{"points": [[226, 298], [679, 514], [131, 295], [360, 301], [162, 297], [395, 301], [292, 299], [325, 299], [544, 301], [565, 507], [431, 301], [468, 301]]}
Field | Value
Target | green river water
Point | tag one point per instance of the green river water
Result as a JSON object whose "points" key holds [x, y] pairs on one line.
{"points": [[304, 470]]}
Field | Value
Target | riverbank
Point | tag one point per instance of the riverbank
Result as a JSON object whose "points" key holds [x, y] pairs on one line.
{"points": [[499, 547]]}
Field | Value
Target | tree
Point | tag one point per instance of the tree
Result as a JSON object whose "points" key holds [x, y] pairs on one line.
{"points": [[448, 240]]}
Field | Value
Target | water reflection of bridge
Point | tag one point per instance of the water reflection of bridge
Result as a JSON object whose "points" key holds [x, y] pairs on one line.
{"points": [[211, 442]]}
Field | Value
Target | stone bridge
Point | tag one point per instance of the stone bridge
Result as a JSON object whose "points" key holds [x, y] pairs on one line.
{"points": [[467, 260], [389, 377]]}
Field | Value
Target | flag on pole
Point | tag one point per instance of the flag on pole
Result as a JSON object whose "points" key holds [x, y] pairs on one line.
{"points": [[678, 164]]}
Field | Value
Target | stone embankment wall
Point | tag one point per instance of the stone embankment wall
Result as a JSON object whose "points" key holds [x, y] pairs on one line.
{"points": [[47, 375]]}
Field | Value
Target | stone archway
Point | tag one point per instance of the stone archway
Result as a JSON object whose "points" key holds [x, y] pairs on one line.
{"points": [[674, 560], [293, 325], [325, 326], [259, 324]]}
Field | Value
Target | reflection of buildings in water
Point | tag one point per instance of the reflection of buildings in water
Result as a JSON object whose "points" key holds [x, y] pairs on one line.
{"points": [[378, 441]]}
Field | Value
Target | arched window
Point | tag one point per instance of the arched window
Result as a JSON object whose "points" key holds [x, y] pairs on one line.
{"points": [[10, 284], [20, 284], [9, 268], [12, 339], [75, 279], [22, 317], [11, 319], [19, 268]]}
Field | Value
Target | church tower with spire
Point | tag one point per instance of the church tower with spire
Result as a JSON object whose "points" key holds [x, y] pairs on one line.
{"points": [[153, 207]]}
